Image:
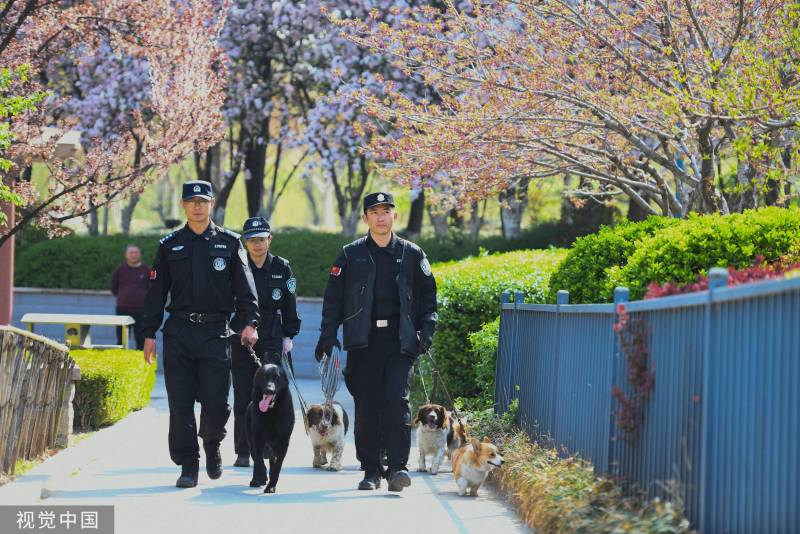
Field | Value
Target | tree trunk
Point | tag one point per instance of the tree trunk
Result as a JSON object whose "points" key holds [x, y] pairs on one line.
{"points": [[308, 189], [635, 212], [476, 221], [438, 221], [255, 159], [416, 214], [105, 219], [348, 198], [127, 213], [712, 201], [513, 202], [94, 222]]}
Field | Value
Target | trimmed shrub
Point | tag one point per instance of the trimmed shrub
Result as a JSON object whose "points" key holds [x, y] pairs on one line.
{"points": [[680, 253], [584, 272], [469, 296], [483, 345], [113, 383], [86, 262], [77, 262]]}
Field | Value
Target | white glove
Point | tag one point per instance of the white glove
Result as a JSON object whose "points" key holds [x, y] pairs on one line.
{"points": [[287, 345]]}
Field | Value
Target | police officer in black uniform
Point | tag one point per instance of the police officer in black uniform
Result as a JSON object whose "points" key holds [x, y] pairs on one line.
{"points": [[279, 323], [383, 293], [204, 270]]}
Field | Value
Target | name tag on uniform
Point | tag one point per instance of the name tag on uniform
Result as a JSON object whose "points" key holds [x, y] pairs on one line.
{"points": [[217, 245], [277, 276]]}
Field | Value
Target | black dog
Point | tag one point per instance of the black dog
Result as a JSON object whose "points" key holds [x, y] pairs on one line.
{"points": [[269, 422]]}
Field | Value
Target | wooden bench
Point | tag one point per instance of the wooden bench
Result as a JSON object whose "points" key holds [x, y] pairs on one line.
{"points": [[76, 326]]}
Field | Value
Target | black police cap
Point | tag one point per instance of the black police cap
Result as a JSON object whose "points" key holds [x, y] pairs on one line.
{"points": [[256, 227], [376, 199], [197, 188]]}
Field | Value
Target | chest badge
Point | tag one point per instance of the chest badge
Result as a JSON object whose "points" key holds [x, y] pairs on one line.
{"points": [[219, 264], [276, 294]]}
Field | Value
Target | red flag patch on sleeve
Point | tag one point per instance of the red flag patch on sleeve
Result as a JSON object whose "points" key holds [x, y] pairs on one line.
{"points": [[336, 270], [153, 274]]}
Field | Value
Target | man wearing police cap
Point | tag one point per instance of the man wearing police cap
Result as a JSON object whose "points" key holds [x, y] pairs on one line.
{"points": [[204, 270], [276, 286], [381, 290]]}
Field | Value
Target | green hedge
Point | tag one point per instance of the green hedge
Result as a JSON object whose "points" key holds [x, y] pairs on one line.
{"points": [[469, 296], [584, 272], [77, 262], [86, 262], [113, 383], [483, 345], [681, 252]]}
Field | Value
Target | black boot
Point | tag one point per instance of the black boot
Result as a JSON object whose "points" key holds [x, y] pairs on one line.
{"points": [[372, 481], [213, 459], [188, 478], [242, 460], [398, 480]]}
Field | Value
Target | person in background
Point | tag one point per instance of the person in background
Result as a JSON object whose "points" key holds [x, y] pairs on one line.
{"points": [[129, 285]]}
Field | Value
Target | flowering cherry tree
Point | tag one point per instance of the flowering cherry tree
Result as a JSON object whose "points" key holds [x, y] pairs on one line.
{"points": [[173, 45], [647, 98]]}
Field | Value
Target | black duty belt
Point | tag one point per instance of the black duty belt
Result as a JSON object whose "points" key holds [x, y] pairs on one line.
{"points": [[200, 318]]}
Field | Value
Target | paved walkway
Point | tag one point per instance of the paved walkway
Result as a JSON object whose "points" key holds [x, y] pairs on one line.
{"points": [[127, 465]]}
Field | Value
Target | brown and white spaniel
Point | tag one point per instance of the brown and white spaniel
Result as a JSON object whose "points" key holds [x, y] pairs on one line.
{"points": [[327, 425], [438, 433]]}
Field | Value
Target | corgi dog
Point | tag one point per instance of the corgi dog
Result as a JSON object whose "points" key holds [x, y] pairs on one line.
{"points": [[472, 464], [438, 434]]}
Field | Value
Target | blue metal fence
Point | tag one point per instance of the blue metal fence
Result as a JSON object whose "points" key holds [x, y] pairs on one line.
{"points": [[721, 428]]}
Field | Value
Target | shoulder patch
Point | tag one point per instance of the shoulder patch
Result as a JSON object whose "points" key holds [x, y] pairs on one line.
{"points": [[168, 237], [227, 232], [291, 285], [425, 266]]}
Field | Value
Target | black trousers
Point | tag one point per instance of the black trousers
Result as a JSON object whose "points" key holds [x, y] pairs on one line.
{"points": [[242, 370], [138, 335], [197, 367], [379, 378]]}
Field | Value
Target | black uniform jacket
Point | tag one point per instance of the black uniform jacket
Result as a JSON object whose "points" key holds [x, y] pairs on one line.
{"points": [[350, 290], [206, 273], [277, 301]]}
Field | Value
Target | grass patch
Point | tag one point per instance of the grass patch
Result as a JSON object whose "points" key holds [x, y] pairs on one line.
{"points": [[562, 495]]}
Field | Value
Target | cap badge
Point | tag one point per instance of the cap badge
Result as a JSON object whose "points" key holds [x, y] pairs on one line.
{"points": [[197, 189], [381, 197]]}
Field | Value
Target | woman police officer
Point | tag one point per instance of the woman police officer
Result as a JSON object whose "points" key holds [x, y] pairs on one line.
{"points": [[275, 284]]}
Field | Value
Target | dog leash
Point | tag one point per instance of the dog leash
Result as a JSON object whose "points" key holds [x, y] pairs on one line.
{"points": [[444, 386], [329, 370], [290, 374], [422, 381]]}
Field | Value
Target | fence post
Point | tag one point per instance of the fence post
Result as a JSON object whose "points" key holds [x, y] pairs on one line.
{"points": [[501, 368], [622, 295], [717, 279], [519, 298], [562, 297], [67, 410]]}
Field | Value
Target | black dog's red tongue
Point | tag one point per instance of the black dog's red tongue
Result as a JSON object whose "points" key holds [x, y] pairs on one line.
{"points": [[264, 403]]}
